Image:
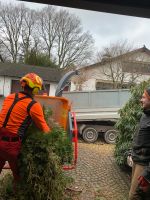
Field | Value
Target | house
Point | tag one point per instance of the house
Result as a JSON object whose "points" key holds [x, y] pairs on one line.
{"points": [[10, 74], [114, 72]]}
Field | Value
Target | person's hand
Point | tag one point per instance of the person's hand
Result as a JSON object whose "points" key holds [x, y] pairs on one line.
{"points": [[143, 183]]}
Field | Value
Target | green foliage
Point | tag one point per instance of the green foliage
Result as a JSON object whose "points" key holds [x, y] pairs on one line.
{"points": [[40, 164], [59, 140], [39, 59], [6, 187], [129, 118], [40, 169]]}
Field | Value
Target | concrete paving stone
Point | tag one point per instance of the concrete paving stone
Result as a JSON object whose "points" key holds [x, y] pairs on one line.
{"points": [[98, 174]]}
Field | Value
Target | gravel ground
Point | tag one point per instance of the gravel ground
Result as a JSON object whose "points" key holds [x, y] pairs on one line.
{"points": [[97, 176]]}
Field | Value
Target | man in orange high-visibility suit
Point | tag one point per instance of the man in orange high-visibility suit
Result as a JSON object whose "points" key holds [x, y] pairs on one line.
{"points": [[18, 111]]}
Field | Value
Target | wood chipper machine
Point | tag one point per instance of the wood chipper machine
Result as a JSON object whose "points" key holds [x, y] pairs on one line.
{"points": [[62, 115]]}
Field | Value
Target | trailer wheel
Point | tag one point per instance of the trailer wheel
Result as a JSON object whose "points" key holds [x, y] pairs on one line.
{"points": [[110, 136], [90, 134]]}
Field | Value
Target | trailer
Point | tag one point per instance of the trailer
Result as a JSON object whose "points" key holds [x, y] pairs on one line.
{"points": [[97, 112]]}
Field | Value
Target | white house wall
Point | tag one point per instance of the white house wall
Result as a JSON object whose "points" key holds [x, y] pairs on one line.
{"points": [[89, 85], [1, 85], [139, 79], [95, 73], [5, 86], [140, 56], [53, 87], [86, 86], [72, 86]]}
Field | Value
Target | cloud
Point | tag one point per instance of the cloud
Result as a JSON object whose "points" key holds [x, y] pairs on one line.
{"points": [[107, 28]]}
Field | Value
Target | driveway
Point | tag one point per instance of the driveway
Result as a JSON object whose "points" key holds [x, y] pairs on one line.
{"points": [[97, 176]]}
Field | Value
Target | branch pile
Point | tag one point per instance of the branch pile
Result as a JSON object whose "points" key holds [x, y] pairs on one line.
{"points": [[40, 163]]}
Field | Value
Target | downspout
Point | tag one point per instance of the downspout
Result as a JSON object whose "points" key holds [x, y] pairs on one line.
{"points": [[4, 86]]}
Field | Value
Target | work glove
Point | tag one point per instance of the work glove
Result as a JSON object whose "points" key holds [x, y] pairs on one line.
{"points": [[143, 183]]}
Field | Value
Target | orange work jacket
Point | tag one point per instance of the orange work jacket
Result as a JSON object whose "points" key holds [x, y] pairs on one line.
{"points": [[22, 114]]}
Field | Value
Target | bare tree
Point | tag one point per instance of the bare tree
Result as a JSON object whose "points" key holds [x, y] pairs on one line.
{"points": [[55, 33], [115, 49], [80, 80], [72, 46], [112, 61], [1, 52], [1, 58], [11, 18], [28, 37], [47, 28], [63, 37]]}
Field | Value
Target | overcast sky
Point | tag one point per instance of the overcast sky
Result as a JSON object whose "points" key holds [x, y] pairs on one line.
{"points": [[108, 28]]}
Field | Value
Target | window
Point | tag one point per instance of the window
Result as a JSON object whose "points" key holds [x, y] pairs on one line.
{"points": [[103, 86]]}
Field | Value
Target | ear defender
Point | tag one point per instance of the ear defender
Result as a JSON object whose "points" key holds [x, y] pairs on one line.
{"points": [[35, 90]]}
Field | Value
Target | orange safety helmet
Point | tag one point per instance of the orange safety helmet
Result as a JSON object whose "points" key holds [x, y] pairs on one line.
{"points": [[33, 81]]}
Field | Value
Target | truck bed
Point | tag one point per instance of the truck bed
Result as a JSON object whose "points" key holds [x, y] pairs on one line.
{"points": [[92, 114]]}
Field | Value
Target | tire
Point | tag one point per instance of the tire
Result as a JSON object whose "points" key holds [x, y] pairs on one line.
{"points": [[90, 134], [110, 136]]}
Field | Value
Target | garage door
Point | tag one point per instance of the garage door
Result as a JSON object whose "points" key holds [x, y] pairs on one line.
{"points": [[15, 86]]}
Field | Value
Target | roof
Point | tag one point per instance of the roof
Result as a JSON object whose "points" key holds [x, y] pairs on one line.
{"points": [[19, 70], [143, 49], [137, 67], [124, 7]]}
